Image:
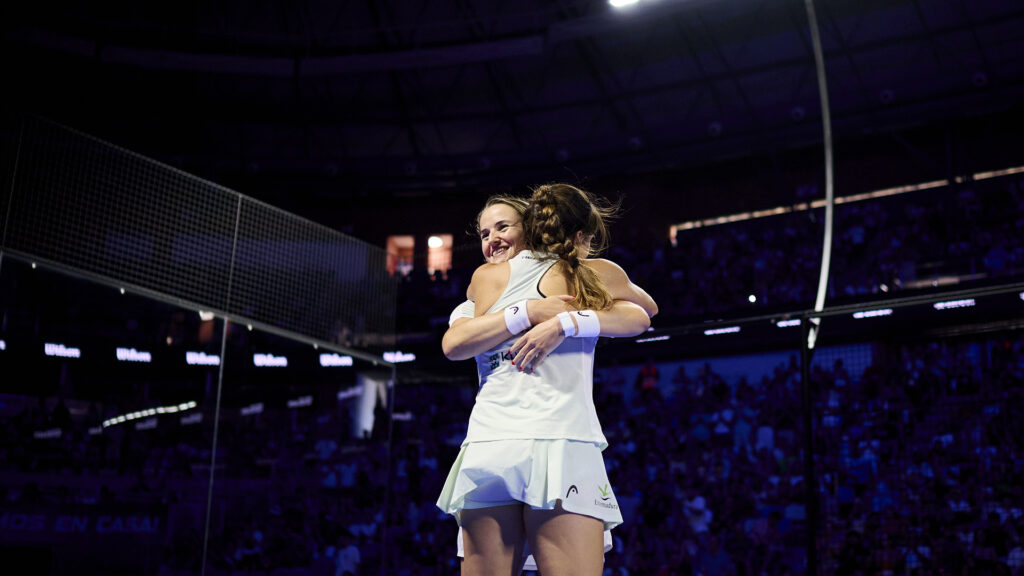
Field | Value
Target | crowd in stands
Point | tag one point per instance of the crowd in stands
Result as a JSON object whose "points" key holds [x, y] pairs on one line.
{"points": [[883, 246], [919, 457], [919, 468]]}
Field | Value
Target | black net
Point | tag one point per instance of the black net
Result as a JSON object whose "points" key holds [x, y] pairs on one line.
{"points": [[93, 208]]}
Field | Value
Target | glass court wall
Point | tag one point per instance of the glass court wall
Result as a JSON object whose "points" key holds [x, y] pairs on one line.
{"points": [[192, 381]]}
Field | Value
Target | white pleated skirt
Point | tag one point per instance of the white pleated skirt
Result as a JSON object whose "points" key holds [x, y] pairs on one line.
{"points": [[539, 473]]}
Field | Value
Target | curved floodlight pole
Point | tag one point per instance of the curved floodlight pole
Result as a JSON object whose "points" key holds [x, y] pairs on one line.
{"points": [[813, 324], [826, 123]]}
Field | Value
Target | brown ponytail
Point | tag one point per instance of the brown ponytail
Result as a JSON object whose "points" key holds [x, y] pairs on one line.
{"points": [[555, 214]]}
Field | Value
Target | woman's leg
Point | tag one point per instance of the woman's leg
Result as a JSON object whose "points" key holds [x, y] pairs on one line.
{"points": [[493, 539], [565, 543]]}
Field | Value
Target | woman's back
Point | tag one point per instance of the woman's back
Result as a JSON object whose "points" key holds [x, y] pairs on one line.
{"points": [[553, 401]]}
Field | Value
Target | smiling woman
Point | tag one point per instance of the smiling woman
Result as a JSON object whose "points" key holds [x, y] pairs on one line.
{"points": [[500, 226], [534, 438]]}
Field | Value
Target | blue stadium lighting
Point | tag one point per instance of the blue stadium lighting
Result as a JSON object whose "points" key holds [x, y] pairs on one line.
{"points": [[202, 359], [788, 323], [653, 339], [3, 345], [717, 331], [333, 360], [965, 303], [61, 351], [253, 409], [622, 3], [149, 413], [873, 313], [269, 361], [1021, 295], [133, 355]]}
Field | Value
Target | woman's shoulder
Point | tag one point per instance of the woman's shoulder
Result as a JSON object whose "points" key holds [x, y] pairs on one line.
{"points": [[490, 272], [602, 265], [613, 275]]}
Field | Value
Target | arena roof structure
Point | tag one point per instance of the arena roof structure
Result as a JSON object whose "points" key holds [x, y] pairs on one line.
{"points": [[342, 99]]}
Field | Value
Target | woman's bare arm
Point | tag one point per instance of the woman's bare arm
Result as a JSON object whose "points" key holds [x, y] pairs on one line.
{"points": [[629, 316], [623, 319], [620, 286], [489, 280], [467, 337]]}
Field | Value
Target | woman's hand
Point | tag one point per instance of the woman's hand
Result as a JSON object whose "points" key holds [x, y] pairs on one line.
{"points": [[547, 308], [531, 349]]}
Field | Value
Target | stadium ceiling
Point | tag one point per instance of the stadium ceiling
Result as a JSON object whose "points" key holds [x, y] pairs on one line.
{"points": [[339, 97]]}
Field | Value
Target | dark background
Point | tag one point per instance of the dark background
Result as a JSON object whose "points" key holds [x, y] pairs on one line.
{"points": [[401, 117]]}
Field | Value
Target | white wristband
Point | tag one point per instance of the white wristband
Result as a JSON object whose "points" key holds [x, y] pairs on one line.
{"points": [[568, 328], [588, 324], [516, 318]]}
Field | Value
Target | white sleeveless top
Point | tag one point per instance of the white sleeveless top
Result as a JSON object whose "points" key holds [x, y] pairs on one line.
{"points": [[556, 401]]}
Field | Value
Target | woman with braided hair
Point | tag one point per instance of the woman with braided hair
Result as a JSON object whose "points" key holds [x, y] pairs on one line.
{"points": [[530, 468], [499, 226]]}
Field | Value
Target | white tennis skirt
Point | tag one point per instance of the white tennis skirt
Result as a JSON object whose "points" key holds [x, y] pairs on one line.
{"points": [[539, 473]]}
